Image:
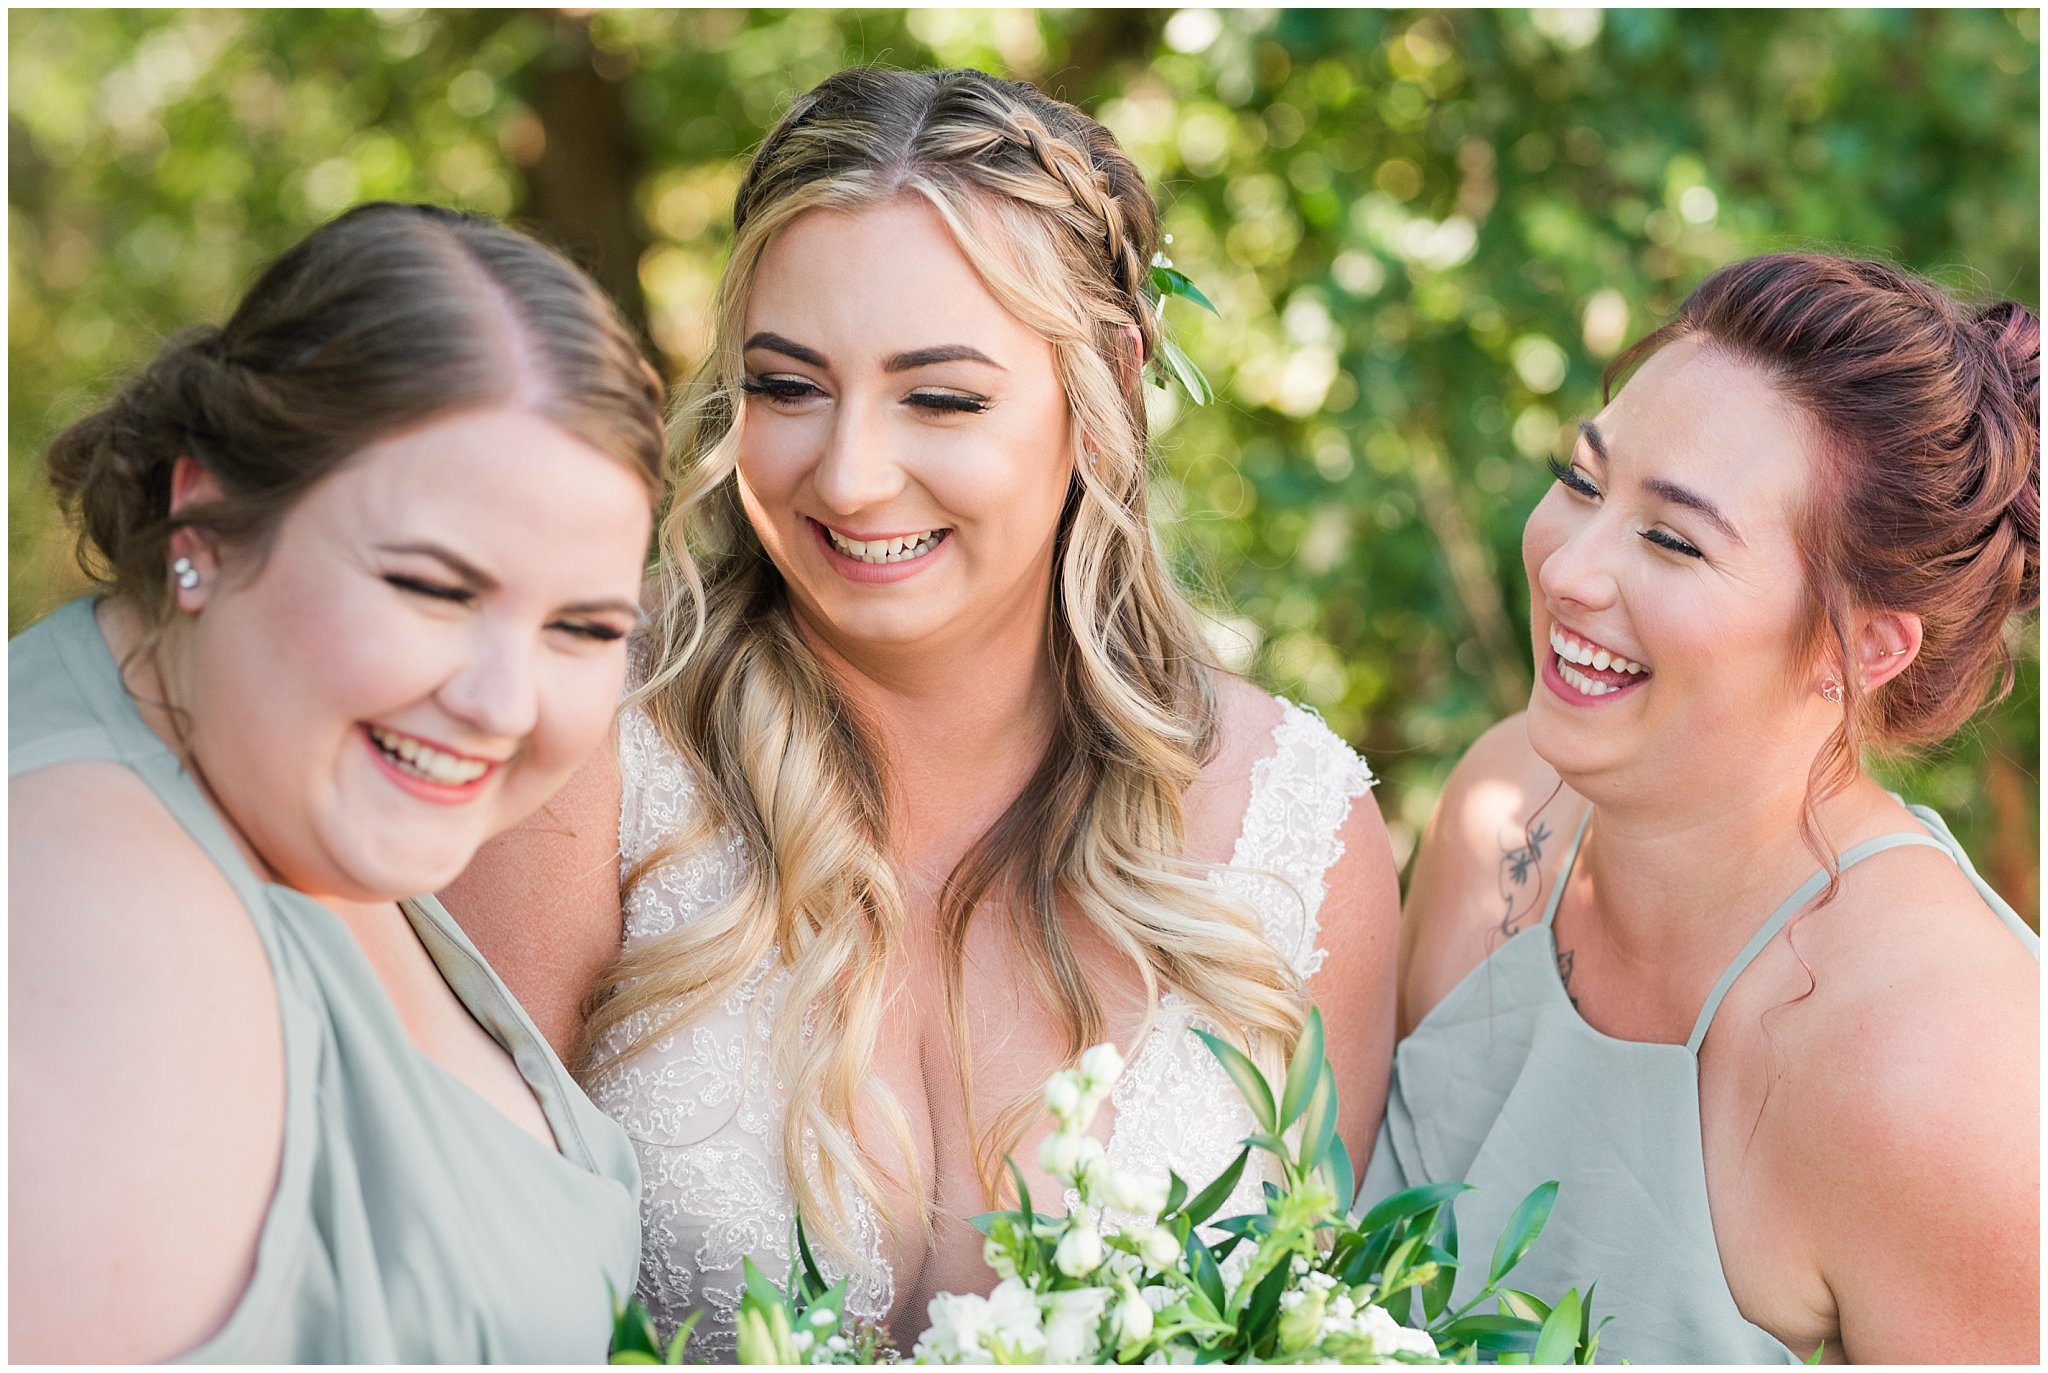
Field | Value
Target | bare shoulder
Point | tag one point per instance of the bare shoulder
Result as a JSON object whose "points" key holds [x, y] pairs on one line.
{"points": [[1485, 865], [141, 1008], [1910, 1071], [541, 901]]}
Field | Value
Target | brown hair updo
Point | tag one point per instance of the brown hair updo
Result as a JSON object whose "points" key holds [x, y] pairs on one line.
{"points": [[377, 322], [1928, 488]]}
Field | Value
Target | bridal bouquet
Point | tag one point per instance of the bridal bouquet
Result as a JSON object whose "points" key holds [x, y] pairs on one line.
{"points": [[1138, 1271]]}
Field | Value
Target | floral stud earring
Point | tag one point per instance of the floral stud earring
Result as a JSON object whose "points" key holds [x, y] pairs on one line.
{"points": [[187, 575], [1831, 689]]}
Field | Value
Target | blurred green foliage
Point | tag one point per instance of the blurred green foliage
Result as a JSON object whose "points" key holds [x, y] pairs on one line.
{"points": [[1426, 232]]}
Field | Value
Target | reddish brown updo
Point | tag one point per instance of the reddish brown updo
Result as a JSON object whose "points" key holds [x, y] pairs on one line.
{"points": [[1928, 491]]}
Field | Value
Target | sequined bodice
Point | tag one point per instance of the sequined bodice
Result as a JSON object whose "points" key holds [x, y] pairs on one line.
{"points": [[706, 1114]]}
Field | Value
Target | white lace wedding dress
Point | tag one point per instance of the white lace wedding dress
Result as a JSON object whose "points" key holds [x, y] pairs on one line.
{"points": [[706, 1117]]}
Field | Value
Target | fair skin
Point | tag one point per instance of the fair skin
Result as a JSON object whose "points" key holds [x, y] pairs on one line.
{"points": [[398, 597], [868, 418], [1863, 1189]]}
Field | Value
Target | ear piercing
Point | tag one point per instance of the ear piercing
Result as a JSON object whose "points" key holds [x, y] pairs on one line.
{"points": [[1831, 690], [1890, 652], [187, 575]]}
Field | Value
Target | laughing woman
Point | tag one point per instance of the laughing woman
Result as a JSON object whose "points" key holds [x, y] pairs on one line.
{"points": [[267, 1103], [1774, 1035], [928, 785]]}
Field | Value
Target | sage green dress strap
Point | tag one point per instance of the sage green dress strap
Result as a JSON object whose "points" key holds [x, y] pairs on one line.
{"points": [[1504, 1086], [412, 1222]]}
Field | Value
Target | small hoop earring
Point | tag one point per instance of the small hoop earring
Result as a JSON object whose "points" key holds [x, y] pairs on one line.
{"points": [[187, 575], [1831, 690]]}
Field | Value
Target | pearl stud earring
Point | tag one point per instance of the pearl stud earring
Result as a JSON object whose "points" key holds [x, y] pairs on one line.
{"points": [[187, 575]]}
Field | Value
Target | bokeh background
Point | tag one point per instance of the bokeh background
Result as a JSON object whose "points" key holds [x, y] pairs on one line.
{"points": [[1426, 232]]}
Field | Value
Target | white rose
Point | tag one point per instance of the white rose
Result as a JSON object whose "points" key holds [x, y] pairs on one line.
{"points": [[1385, 1335], [1073, 1324], [1137, 1193], [1079, 1251]]}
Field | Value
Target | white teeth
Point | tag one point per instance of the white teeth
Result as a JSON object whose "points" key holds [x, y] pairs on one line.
{"points": [[899, 549], [1572, 649], [425, 761], [1583, 683]]}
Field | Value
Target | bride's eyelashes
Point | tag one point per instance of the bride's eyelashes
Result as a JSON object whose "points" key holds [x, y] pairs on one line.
{"points": [[795, 390]]}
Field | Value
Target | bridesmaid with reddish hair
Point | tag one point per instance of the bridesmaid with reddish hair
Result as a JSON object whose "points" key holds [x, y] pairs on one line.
{"points": [[1667, 941]]}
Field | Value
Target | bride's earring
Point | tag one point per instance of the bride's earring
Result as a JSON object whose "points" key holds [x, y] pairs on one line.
{"points": [[1831, 689], [187, 575]]}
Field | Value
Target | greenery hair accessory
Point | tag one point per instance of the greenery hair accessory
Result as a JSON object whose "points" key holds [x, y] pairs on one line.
{"points": [[1164, 282]]}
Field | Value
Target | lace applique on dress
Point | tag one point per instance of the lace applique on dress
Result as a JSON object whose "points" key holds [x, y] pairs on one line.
{"points": [[1175, 1107], [700, 1103], [706, 1115]]}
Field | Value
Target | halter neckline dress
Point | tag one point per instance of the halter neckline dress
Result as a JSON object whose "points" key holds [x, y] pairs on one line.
{"points": [[412, 1221], [1505, 1086]]}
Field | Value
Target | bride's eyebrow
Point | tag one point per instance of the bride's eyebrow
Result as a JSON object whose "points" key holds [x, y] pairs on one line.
{"points": [[789, 348], [945, 352], [1666, 489]]}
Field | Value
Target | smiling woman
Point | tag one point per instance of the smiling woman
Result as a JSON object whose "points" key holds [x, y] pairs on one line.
{"points": [[928, 783], [326, 667], [1790, 1108]]}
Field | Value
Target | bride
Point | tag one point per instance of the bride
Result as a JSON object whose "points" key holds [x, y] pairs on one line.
{"points": [[928, 782]]}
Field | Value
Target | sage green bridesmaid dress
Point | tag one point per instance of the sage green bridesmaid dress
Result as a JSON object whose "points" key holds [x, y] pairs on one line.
{"points": [[412, 1222], [1504, 1086]]}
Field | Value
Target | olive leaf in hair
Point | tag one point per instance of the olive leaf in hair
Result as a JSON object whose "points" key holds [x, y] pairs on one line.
{"points": [[1164, 282]]}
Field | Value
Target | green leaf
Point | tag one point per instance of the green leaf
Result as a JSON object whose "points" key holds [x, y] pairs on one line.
{"points": [[633, 1329], [1559, 1340], [1208, 1277], [1171, 281], [634, 1356], [1304, 1070], [1185, 372], [1262, 1312], [1411, 1202], [1176, 1192], [1319, 1125], [1251, 1084], [1522, 1229], [814, 1281], [1343, 1185], [1521, 1304], [1817, 1352], [986, 1221], [1491, 1334], [1216, 1193], [1023, 1192]]}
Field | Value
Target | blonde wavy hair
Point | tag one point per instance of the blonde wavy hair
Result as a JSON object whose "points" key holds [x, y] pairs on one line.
{"points": [[1056, 220]]}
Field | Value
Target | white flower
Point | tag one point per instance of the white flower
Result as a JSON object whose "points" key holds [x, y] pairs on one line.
{"points": [[1013, 1318], [1156, 1245], [1080, 1249], [1073, 1323], [998, 1257], [958, 1323], [1100, 1067], [1063, 1094], [1133, 1317], [1060, 1155], [1385, 1335], [1091, 1166], [1137, 1193]]}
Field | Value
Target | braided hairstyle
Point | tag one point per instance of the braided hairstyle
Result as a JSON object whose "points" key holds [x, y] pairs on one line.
{"points": [[377, 322], [1055, 219], [1928, 497]]}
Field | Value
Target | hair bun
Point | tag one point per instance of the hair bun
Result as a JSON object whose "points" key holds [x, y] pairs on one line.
{"points": [[2013, 334]]}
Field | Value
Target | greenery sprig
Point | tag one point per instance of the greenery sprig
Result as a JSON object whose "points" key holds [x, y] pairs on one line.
{"points": [[1166, 282]]}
